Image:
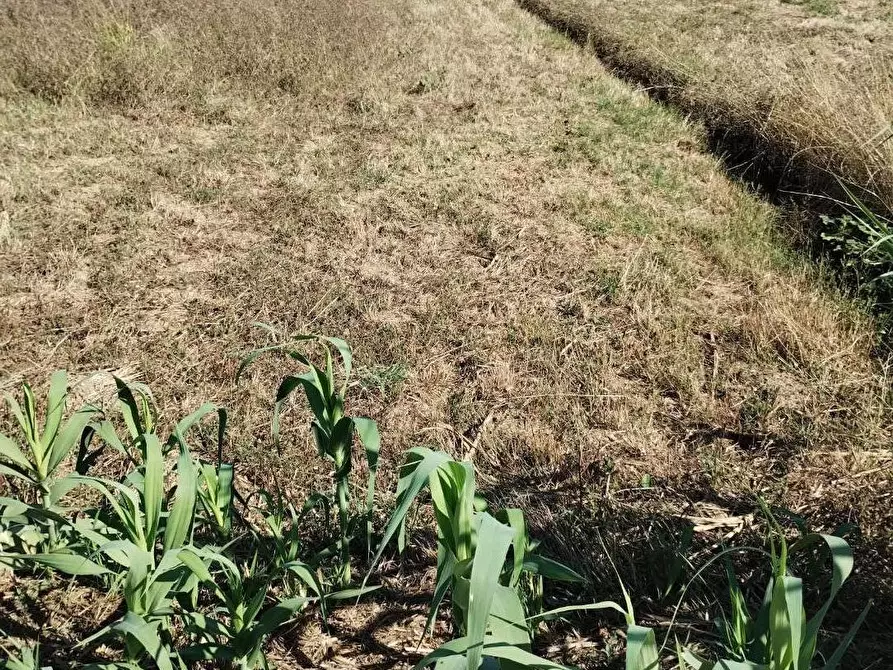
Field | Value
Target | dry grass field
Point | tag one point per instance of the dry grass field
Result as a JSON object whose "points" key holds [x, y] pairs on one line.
{"points": [[538, 267], [805, 85]]}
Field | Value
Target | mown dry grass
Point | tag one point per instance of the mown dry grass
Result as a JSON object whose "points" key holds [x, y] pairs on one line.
{"points": [[802, 85], [538, 267]]}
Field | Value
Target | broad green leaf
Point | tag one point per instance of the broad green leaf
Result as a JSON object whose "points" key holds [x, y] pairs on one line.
{"points": [[641, 648], [14, 455], [346, 357], [275, 617], [68, 437], [179, 519], [567, 609], [70, 564], [786, 621], [153, 487], [350, 594], [367, 431], [420, 463], [546, 567], [507, 623], [841, 566], [489, 557], [129, 407], [514, 518], [11, 472], [146, 634], [55, 409]]}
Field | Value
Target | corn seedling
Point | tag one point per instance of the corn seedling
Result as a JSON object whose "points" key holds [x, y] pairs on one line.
{"points": [[473, 564], [150, 587], [333, 432], [42, 448], [780, 636], [238, 639]]}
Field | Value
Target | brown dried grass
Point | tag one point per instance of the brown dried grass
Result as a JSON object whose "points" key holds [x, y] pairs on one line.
{"points": [[577, 293], [805, 87]]}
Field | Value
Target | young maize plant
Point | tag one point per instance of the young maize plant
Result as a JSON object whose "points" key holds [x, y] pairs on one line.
{"points": [[473, 564], [35, 461], [333, 431], [780, 636], [237, 639]]}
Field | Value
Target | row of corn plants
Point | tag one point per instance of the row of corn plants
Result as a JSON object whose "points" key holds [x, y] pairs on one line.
{"points": [[207, 573]]}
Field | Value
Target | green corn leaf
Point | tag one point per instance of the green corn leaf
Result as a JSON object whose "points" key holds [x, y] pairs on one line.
{"points": [[10, 451], [182, 511], [445, 569], [212, 651], [188, 422], [507, 623], [738, 665], [129, 407], [350, 594], [146, 634], [462, 647], [546, 567], [70, 564], [552, 614], [25, 416], [127, 513], [274, 617], [414, 474], [55, 408], [494, 542], [786, 621], [842, 567], [641, 648], [514, 518], [12, 472], [346, 357], [106, 432], [518, 657], [286, 388], [688, 660], [153, 488], [225, 493], [847, 640], [340, 445], [303, 572], [68, 437], [192, 561], [367, 432]]}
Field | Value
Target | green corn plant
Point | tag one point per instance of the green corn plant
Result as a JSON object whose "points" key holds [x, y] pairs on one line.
{"points": [[237, 639], [150, 587], [216, 495], [473, 564], [44, 445], [280, 537], [24, 543], [780, 636], [332, 430], [140, 522]]}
